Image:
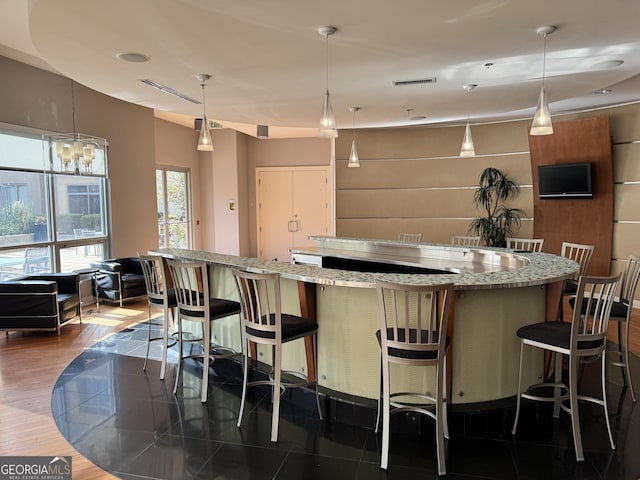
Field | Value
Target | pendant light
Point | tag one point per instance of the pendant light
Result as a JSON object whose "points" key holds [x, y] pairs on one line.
{"points": [[204, 141], [327, 121], [542, 119], [467, 149], [354, 161]]}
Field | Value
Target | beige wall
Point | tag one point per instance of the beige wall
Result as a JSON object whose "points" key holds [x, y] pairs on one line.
{"points": [[175, 147], [412, 179], [279, 153], [41, 100], [226, 160]]}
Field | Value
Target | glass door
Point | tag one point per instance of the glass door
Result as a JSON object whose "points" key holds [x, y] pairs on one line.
{"points": [[173, 198]]}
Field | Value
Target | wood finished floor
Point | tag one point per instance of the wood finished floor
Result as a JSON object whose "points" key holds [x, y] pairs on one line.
{"points": [[30, 364]]}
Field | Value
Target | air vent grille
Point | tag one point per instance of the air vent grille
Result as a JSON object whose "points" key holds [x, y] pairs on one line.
{"points": [[420, 81], [170, 90]]}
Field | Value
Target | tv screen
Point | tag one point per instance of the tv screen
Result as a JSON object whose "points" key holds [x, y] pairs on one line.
{"points": [[566, 180]]}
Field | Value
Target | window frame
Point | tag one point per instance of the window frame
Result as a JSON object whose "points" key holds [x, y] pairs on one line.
{"points": [[163, 225], [47, 195]]}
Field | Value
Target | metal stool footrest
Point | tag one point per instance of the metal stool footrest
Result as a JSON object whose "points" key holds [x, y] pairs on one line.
{"points": [[546, 398]]}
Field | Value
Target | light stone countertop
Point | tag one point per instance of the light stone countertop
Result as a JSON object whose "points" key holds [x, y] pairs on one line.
{"points": [[478, 267]]}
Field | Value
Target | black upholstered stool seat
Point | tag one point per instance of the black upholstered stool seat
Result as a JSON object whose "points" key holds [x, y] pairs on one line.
{"points": [[293, 326], [554, 333]]}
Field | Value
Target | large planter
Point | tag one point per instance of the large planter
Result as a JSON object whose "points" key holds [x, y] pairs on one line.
{"points": [[40, 232]]}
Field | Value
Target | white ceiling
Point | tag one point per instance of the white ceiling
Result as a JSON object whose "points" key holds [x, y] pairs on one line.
{"points": [[267, 59]]}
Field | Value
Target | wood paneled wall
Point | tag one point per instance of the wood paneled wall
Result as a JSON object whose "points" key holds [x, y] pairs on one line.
{"points": [[587, 221]]}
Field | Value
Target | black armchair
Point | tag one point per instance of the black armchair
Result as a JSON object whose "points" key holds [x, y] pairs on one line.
{"points": [[39, 302], [120, 279]]}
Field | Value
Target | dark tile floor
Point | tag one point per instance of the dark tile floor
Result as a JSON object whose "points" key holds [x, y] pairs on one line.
{"points": [[129, 423]]}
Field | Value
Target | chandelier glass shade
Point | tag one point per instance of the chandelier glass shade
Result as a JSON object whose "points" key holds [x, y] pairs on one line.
{"points": [[77, 154]]}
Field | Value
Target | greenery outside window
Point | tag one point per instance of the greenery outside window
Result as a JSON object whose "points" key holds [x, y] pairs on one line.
{"points": [[174, 210]]}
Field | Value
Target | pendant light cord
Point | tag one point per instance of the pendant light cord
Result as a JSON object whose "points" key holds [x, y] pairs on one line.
{"points": [[204, 104], [327, 60], [544, 58], [73, 108], [354, 124], [468, 113]]}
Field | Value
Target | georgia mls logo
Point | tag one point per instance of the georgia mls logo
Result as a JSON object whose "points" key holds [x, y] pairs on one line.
{"points": [[35, 468]]}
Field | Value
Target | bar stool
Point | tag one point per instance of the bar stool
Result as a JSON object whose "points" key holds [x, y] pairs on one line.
{"points": [[413, 326], [621, 313], [410, 237], [191, 284], [582, 339], [528, 244], [266, 324], [465, 241], [582, 255], [158, 297]]}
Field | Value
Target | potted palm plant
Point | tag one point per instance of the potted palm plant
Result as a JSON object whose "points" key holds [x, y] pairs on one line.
{"points": [[494, 188]]}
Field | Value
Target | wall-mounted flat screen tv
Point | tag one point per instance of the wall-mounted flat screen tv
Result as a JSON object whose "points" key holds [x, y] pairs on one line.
{"points": [[566, 180]]}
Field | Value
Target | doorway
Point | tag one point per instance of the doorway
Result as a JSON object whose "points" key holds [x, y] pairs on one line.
{"points": [[292, 204]]}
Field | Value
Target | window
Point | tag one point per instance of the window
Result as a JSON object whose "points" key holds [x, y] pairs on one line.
{"points": [[84, 199], [174, 217], [50, 220], [11, 193]]}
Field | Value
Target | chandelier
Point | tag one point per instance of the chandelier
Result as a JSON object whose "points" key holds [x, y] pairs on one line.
{"points": [[75, 153]]}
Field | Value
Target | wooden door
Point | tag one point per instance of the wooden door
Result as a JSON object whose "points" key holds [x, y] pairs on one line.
{"points": [[310, 206], [292, 204], [275, 209]]}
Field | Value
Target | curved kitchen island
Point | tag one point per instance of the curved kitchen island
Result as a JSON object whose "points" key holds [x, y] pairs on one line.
{"points": [[497, 291]]}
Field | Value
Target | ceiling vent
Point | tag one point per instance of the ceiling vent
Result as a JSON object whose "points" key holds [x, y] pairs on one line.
{"points": [[421, 81], [197, 122], [170, 91]]}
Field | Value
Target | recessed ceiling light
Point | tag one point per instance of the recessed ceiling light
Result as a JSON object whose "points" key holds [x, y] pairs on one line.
{"points": [[603, 91], [412, 117], [133, 57]]}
